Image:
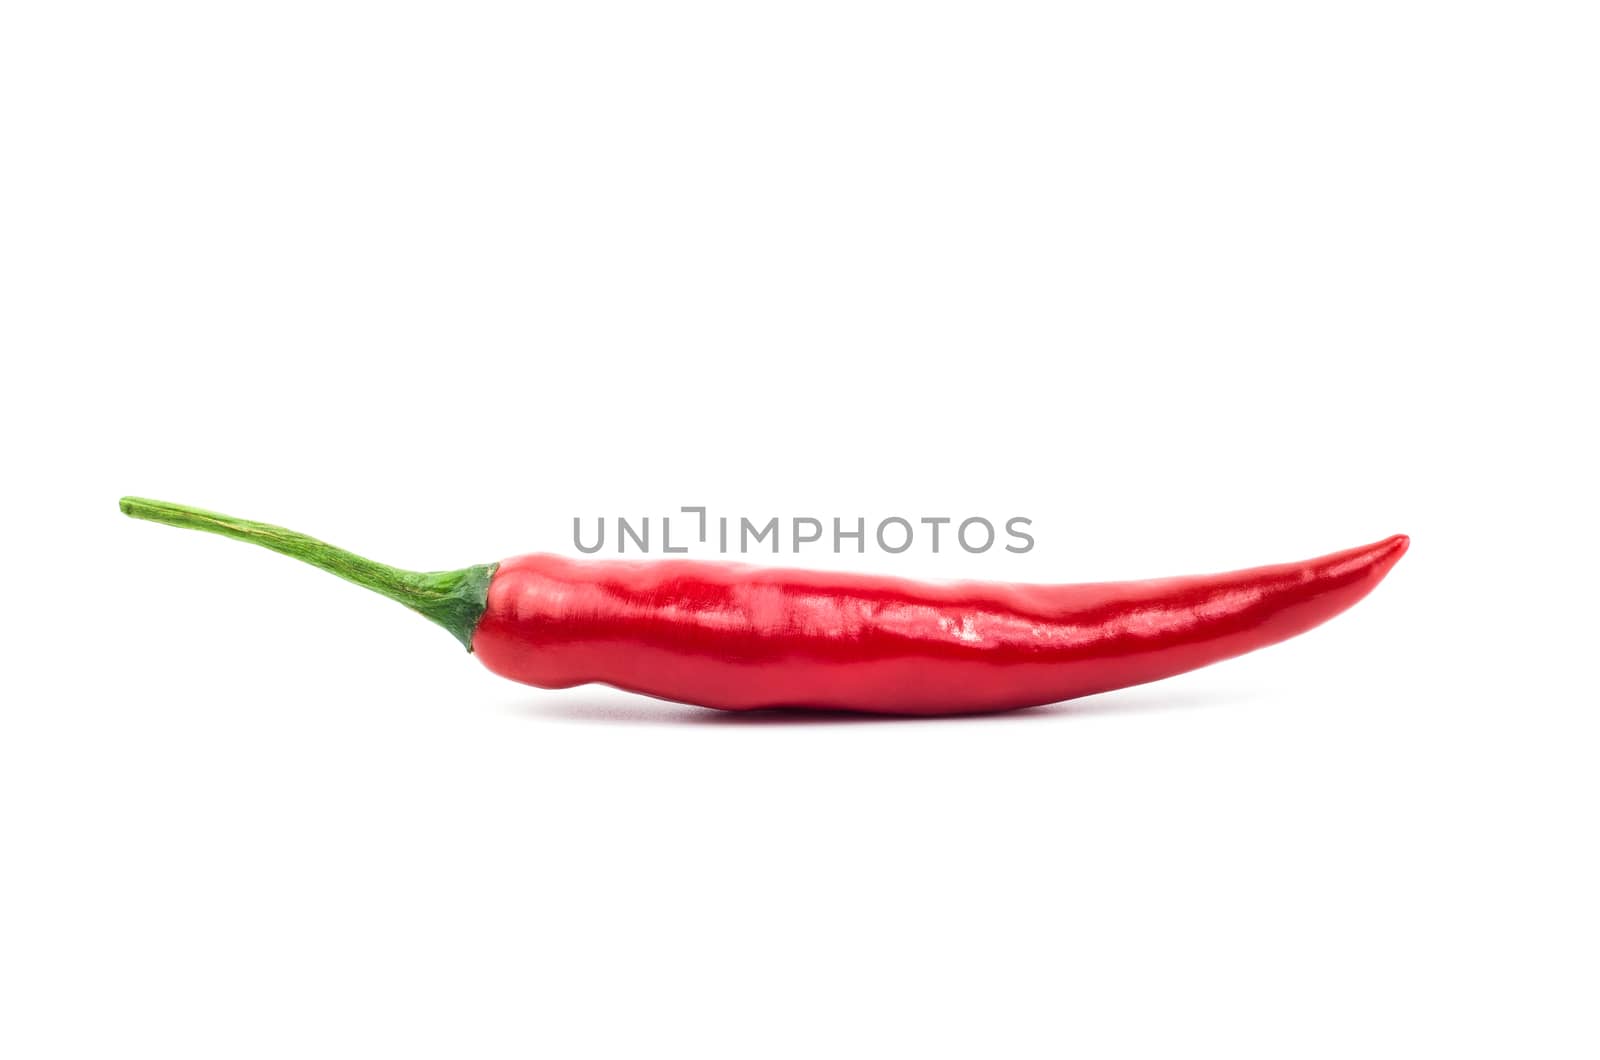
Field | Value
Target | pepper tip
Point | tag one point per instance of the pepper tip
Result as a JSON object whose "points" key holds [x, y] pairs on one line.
{"points": [[1388, 552]]}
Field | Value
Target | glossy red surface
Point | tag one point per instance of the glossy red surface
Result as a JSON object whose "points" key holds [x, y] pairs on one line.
{"points": [[741, 637]]}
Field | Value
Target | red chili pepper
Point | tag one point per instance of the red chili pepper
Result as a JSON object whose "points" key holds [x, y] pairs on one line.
{"points": [[741, 637]]}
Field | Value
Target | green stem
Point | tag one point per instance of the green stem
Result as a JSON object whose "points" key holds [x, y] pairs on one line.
{"points": [[455, 599]]}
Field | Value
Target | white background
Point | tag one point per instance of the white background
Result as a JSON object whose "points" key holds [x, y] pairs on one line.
{"points": [[1193, 286]]}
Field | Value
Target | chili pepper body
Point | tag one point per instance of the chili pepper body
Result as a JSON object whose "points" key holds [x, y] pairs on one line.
{"points": [[741, 637]]}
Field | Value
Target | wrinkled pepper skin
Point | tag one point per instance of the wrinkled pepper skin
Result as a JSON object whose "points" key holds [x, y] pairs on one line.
{"points": [[740, 637]]}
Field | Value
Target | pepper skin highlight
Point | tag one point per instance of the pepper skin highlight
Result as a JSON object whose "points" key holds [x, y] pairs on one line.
{"points": [[742, 637]]}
